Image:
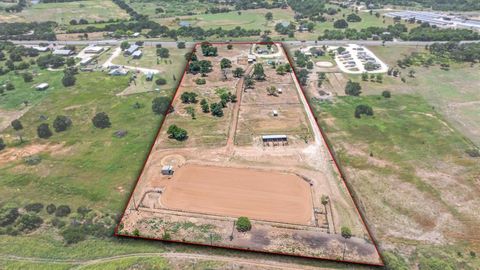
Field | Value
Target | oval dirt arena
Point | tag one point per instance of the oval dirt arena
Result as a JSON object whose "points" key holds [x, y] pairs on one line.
{"points": [[235, 192]]}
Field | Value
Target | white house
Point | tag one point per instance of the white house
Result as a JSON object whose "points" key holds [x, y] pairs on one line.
{"points": [[42, 86]]}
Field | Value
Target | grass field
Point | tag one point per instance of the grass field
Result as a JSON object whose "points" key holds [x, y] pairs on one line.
{"points": [[409, 146], [171, 8], [248, 19], [62, 13], [454, 93]]}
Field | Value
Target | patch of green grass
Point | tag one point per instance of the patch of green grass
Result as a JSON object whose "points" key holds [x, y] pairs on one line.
{"points": [[96, 164], [62, 13], [26, 265]]}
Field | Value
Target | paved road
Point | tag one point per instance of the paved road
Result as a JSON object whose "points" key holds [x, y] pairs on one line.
{"points": [[174, 44]]}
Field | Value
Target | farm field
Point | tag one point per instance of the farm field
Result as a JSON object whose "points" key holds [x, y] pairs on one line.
{"points": [[198, 205], [62, 13]]}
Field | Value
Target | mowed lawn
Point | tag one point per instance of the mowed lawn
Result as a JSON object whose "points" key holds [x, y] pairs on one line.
{"points": [[62, 13], [409, 170]]}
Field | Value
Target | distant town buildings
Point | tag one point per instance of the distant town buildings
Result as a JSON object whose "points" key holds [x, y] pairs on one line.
{"points": [[437, 19]]}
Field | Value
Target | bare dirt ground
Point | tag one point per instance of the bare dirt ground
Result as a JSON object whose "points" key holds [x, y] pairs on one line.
{"points": [[237, 192], [278, 187]]}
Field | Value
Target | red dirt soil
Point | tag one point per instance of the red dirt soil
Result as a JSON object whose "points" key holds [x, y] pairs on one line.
{"points": [[261, 195]]}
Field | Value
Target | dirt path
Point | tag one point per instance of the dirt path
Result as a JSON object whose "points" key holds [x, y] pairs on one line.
{"points": [[6, 117], [235, 113], [79, 264], [114, 55]]}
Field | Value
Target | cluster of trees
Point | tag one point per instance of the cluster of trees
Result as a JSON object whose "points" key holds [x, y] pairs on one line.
{"points": [[258, 72], [428, 33], [28, 31], [353, 18], [208, 49], [160, 105], [307, 8], [60, 124], [203, 66], [469, 52], [177, 133], [75, 22], [189, 97], [135, 15], [353, 88], [18, 7], [373, 78], [248, 4], [282, 69], [285, 30], [215, 10], [69, 76], [50, 60]]}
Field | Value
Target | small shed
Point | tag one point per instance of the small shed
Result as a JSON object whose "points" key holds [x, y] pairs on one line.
{"points": [[275, 113], [274, 138], [149, 76], [86, 61], [93, 49], [42, 86], [63, 52], [167, 170], [137, 54], [132, 49], [184, 24], [118, 72], [251, 58], [279, 90]]}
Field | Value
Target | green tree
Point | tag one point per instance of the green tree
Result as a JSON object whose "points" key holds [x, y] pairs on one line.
{"points": [[346, 234], [189, 97], [258, 72], [205, 107], [341, 24], [225, 63], [73, 234], [181, 45], [2, 144], [281, 70], [62, 211], [269, 16], [17, 126], [386, 94], [353, 88], [243, 224], [101, 120], [238, 72], [363, 109], [379, 78], [177, 133], [229, 46], [160, 81], [27, 77], [70, 61], [43, 131], [62, 123], [124, 45], [249, 82], [160, 105], [163, 52], [272, 91], [68, 79], [216, 109], [364, 76]]}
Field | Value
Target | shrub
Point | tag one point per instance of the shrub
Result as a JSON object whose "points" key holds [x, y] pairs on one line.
{"points": [[101, 120], [10, 86], [188, 97], [51, 208], [216, 109], [61, 123], [82, 210], [73, 235], [473, 152], [200, 81], [177, 133], [27, 77], [2, 144], [43, 131], [34, 207], [229, 46], [62, 211], [353, 88], [243, 224], [58, 223], [346, 232], [29, 222], [340, 24], [8, 216], [160, 105], [386, 94], [363, 109], [136, 232], [181, 45], [33, 160], [68, 80], [160, 81]]}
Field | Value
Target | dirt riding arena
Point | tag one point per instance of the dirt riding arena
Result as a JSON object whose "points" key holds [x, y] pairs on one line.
{"points": [[225, 169], [261, 195]]}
